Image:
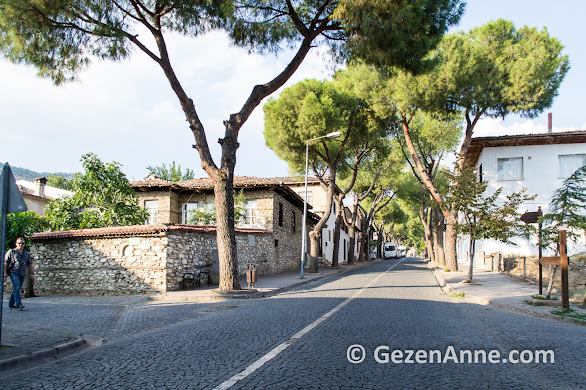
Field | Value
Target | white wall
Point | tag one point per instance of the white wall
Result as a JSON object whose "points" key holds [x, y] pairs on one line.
{"points": [[541, 177]]}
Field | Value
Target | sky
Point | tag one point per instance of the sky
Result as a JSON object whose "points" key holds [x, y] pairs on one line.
{"points": [[126, 112]]}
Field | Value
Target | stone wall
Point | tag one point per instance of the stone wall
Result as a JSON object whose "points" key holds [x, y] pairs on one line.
{"points": [[100, 265], [146, 259]]}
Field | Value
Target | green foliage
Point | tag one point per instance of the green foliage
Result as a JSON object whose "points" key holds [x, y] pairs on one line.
{"points": [[396, 33], [486, 217], [567, 209], [59, 181], [23, 225], [171, 173], [59, 37], [208, 216], [495, 70], [102, 197], [311, 109]]}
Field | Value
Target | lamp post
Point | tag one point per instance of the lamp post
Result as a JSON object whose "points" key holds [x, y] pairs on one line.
{"points": [[334, 134]]}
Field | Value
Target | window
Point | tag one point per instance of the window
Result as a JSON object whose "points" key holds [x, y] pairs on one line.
{"points": [[309, 196], [280, 214], [480, 173], [252, 217], [510, 168], [293, 221], [570, 163], [152, 207], [188, 211]]}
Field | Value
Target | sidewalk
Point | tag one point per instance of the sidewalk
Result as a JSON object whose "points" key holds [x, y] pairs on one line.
{"points": [[265, 286], [499, 290]]}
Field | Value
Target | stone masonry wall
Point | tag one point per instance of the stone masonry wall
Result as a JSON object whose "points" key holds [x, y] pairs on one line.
{"points": [[147, 262], [288, 248], [98, 266]]}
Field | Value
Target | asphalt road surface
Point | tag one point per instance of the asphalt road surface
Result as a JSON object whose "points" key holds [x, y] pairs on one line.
{"points": [[384, 326]]}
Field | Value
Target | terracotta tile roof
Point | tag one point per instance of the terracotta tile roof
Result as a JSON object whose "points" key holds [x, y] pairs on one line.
{"points": [[151, 183], [135, 230], [206, 183]]}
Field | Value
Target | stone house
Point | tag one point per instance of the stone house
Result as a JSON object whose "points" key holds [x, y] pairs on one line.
{"points": [[537, 162], [270, 206]]}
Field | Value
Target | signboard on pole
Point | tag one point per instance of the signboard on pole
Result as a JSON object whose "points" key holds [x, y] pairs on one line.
{"points": [[11, 201], [9, 189]]}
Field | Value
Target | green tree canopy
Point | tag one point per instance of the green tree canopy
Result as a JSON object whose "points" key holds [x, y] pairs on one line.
{"points": [[102, 197], [171, 172], [23, 225], [59, 181], [567, 209], [311, 109]]}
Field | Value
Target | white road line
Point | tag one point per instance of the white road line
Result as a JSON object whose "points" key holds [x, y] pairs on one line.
{"points": [[283, 346]]}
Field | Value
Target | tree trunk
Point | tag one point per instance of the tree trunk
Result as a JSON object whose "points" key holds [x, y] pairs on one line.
{"points": [[450, 242], [471, 256], [352, 234], [438, 236], [552, 270], [365, 241], [225, 235], [336, 242], [427, 233], [379, 244], [315, 234]]}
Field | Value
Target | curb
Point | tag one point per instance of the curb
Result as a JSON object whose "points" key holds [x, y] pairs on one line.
{"points": [[264, 294], [217, 296], [490, 302], [60, 349]]}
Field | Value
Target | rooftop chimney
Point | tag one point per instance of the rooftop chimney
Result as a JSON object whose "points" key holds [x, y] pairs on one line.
{"points": [[549, 127], [41, 183]]}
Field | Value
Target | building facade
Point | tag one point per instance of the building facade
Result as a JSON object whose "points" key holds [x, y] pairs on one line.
{"points": [[537, 162]]}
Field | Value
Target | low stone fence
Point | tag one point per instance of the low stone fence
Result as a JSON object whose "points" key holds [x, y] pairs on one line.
{"points": [[140, 259]]}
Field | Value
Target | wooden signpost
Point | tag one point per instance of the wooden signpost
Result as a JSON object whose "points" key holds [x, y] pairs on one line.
{"points": [[561, 260]]}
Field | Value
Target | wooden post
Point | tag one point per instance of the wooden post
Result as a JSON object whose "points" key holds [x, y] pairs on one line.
{"points": [[539, 262], [564, 267]]}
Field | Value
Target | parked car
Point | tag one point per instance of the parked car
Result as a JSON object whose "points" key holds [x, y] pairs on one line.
{"points": [[390, 250]]}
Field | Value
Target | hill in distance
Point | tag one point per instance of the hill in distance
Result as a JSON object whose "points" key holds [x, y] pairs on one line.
{"points": [[26, 174]]}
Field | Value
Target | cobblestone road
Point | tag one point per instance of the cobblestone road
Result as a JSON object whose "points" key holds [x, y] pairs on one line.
{"points": [[204, 346]]}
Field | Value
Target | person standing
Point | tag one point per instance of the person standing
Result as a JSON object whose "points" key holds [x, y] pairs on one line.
{"points": [[17, 260]]}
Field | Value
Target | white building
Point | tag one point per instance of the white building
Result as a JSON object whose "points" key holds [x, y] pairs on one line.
{"points": [[316, 197], [37, 194], [537, 162]]}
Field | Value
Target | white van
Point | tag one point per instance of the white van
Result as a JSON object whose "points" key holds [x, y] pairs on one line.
{"points": [[402, 251], [390, 250]]}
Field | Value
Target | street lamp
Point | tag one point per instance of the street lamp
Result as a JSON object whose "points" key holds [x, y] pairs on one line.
{"points": [[334, 134]]}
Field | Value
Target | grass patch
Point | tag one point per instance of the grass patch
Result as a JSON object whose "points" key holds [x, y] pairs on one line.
{"points": [[569, 313], [458, 295], [447, 270], [534, 303]]}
